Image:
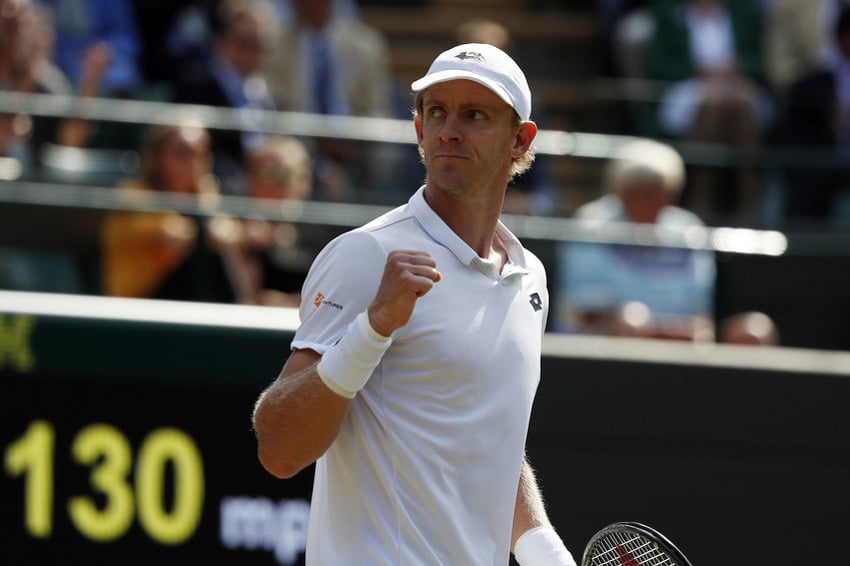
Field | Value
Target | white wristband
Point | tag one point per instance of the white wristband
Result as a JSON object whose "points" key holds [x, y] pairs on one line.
{"points": [[347, 366], [541, 546]]}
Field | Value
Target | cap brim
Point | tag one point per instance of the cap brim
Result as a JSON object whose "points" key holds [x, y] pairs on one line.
{"points": [[456, 74]]}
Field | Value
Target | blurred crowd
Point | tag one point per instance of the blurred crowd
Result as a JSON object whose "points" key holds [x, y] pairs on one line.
{"points": [[279, 55], [746, 74], [298, 55]]}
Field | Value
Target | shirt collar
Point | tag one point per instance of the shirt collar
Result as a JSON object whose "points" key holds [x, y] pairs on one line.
{"points": [[442, 234]]}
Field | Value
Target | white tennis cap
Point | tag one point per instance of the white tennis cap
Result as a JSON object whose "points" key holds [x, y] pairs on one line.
{"points": [[484, 64]]}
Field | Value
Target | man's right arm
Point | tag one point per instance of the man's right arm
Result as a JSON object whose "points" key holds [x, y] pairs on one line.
{"points": [[297, 417]]}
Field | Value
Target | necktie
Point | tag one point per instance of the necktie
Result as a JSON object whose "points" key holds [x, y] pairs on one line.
{"points": [[321, 76]]}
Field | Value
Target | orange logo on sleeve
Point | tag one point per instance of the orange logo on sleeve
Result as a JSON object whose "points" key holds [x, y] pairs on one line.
{"points": [[318, 300]]}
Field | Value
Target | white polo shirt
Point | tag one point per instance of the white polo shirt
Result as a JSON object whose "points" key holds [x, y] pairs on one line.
{"points": [[426, 467]]}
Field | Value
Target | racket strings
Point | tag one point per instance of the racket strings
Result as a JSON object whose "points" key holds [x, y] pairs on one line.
{"points": [[627, 549]]}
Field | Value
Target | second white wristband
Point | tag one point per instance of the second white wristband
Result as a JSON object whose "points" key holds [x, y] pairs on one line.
{"points": [[541, 546], [347, 366]]}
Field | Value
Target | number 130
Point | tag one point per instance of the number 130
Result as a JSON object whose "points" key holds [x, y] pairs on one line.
{"points": [[107, 452]]}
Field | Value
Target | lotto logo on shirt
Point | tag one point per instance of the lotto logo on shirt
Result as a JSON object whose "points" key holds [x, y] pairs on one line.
{"points": [[320, 300]]}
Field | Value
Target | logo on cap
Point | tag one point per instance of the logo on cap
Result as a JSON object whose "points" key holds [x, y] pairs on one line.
{"points": [[474, 55]]}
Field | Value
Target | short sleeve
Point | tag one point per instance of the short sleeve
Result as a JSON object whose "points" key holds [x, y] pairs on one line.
{"points": [[340, 285]]}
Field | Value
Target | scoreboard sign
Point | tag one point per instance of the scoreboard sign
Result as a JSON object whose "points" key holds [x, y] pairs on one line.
{"points": [[127, 438]]}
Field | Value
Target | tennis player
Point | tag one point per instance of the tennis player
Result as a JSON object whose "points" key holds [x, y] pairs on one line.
{"points": [[412, 375]]}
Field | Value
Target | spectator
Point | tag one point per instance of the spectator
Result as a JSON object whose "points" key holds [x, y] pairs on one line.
{"points": [[278, 254], [280, 169], [27, 37], [817, 107], [336, 66], [798, 38], [645, 291], [234, 78], [106, 25], [96, 45], [712, 51], [533, 192], [26, 64], [169, 255], [619, 289], [329, 65]]}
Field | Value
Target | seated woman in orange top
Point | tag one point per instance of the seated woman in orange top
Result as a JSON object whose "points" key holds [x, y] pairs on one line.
{"points": [[165, 254]]}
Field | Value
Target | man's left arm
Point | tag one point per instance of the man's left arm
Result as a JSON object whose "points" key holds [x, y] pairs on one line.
{"points": [[534, 540]]}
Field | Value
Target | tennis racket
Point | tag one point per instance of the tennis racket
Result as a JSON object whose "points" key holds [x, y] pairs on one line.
{"points": [[631, 544]]}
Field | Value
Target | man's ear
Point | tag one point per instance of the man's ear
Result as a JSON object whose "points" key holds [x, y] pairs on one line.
{"points": [[417, 123], [526, 132]]}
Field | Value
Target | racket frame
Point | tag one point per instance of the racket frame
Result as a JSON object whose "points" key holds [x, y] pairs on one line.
{"points": [[640, 529]]}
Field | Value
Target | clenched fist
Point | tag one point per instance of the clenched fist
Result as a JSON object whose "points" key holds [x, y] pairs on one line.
{"points": [[408, 275]]}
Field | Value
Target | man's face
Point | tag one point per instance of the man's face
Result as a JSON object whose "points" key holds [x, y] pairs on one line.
{"points": [[315, 13], [184, 159], [245, 46], [644, 200], [273, 178], [468, 137]]}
